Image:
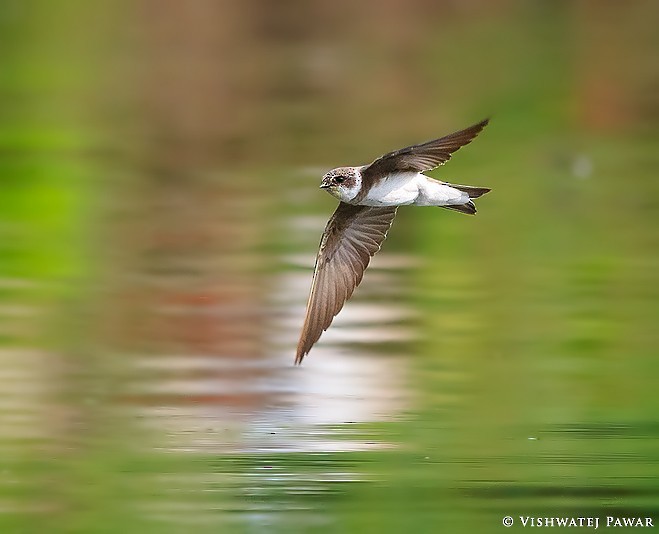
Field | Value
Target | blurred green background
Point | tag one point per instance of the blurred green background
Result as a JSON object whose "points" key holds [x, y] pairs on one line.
{"points": [[159, 215]]}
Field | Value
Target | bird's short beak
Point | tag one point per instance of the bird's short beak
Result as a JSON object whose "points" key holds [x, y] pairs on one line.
{"points": [[324, 185]]}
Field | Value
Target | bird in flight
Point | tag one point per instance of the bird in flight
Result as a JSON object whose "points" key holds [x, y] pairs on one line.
{"points": [[369, 197]]}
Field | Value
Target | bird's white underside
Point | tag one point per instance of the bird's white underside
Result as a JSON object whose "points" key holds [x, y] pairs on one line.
{"points": [[405, 189]]}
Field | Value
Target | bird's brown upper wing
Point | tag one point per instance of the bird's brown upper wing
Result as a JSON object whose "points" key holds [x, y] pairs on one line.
{"points": [[422, 157], [352, 235]]}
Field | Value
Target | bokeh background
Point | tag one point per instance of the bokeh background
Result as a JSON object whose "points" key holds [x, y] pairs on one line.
{"points": [[159, 218]]}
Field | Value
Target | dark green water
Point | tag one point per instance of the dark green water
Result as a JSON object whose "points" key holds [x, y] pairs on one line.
{"points": [[159, 216]]}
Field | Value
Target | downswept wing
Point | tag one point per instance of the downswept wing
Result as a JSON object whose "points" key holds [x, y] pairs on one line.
{"points": [[422, 157], [352, 235]]}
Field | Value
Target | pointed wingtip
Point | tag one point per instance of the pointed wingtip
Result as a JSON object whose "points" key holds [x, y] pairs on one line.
{"points": [[482, 124], [471, 132]]}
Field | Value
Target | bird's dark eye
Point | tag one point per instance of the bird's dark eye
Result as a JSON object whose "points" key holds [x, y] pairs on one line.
{"points": [[339, 179]]}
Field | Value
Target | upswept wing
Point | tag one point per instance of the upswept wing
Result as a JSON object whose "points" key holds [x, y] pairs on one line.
{"points": [[424, 156]]}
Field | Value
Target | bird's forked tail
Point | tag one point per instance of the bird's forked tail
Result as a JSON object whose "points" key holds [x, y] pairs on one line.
{"points": [[474, 192]]}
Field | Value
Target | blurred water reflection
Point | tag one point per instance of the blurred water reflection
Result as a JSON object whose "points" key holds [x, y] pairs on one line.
{"points": [[345, 383]]}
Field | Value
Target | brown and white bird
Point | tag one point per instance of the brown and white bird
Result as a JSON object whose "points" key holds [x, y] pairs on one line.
{"points": [[370, 196]]}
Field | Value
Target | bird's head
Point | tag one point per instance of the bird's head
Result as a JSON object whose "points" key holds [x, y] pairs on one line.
{"points": [[342, 183]]}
